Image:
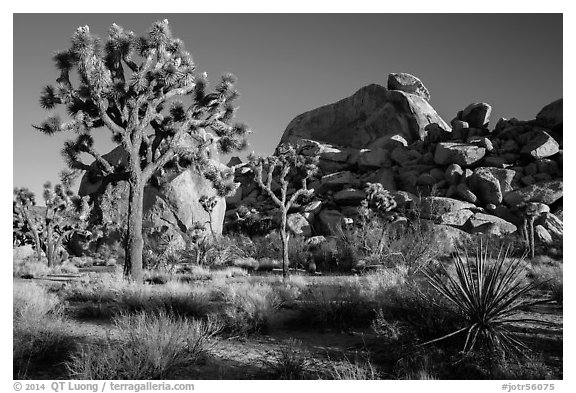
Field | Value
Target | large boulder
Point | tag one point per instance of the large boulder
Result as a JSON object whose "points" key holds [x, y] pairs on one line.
{"points": [[491, 184], [298, 224], [546, 192], [477, 115], [541, 145], [171, 202], [331, 221], [363, 120], [489, 225], [458, 153], [408, 84], [551, 115], [434, 207]]}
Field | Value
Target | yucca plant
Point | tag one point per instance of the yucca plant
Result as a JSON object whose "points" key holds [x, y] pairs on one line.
{"points": [[489, 295]]}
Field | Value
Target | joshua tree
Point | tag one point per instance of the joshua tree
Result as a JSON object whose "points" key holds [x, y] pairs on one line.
{"points": [[378, 201], [208, 204], [64, 215], [284, 165], [130, 85]]}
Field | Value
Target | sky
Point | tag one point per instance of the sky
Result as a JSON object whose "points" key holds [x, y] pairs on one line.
{"points": [[288, 64]]}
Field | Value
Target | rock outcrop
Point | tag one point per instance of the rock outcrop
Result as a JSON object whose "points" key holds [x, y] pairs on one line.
{"points": [[366, 120], [468, 176]]}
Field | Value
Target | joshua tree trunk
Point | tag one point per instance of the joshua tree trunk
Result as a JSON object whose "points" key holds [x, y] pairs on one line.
{"points": [[285, 260], [135, 241]]}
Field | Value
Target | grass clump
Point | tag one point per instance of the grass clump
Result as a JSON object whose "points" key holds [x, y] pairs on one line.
{"points": [[289, 362], [361, 368], [150, 346], [40, 336], [248, 308]]}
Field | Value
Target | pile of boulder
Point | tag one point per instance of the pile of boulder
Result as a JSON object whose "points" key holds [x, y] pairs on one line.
{"points": [[465, 174]]}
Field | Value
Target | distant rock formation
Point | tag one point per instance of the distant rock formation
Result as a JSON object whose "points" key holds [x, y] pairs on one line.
{"points": [[468, 176]]}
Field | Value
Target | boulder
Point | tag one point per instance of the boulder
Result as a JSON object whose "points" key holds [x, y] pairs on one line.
{"points": [[465, 193], [542, 235], [312, 207], [477, 114], [374, 158], [551, 115], [384, 176], [453, 173], [458, 153], [553, 225], [234, 161], [541, 145], [365, 117], [298, 224], [408, 84], [403, 199], [432, 206], [349, 196], [545, 192], [323, 150], [337, 180], [389, 142], [490, 184], [489, 225], [457, 218], [331, 221], [171, 201], [405, 156]]}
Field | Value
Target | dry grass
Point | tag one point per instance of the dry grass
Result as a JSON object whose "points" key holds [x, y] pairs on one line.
{"points": [[151, 346]]}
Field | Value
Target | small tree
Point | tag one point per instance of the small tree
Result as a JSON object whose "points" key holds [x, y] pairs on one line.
{"points": [[285, 165], [64, 215], [130, 86]]}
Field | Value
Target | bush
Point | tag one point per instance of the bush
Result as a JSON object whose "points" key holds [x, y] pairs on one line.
{"points": [[288, 362], [151, 346], [30, 268], [40, 335], [248, 307], [547, 274], [33, 302]]}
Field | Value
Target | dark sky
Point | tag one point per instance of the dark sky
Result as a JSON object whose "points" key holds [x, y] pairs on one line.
{"points": [[287, 64]]}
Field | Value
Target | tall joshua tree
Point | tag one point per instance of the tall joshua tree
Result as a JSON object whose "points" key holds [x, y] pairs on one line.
{"points": [[130, 85], [286, 165]]}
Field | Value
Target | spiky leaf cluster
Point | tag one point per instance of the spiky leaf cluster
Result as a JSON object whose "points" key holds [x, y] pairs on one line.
{"points": [[130, 84]]}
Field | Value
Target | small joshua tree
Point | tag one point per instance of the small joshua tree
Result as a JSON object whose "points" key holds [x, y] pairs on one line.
{"points": [[208, 204], [65, 214], [378, 201], [131, 85], [283, 166]]}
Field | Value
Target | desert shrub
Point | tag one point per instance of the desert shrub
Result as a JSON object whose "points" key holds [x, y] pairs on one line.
{"points": [[110, 295], [66, 267], [29, 268], [32, 302], [151, 346], [40, 335], [488, 295], [378, 242], [336, 305], [288, 362], [390, 331], [547, 274], [248, 307], [361, 368]]}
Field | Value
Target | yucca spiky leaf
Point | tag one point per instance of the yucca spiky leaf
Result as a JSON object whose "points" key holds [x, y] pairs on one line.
{"points": [[489, 296]]}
